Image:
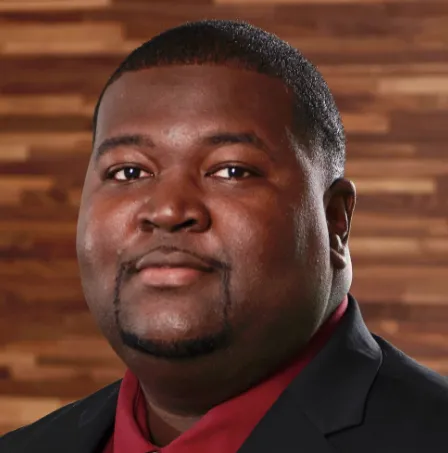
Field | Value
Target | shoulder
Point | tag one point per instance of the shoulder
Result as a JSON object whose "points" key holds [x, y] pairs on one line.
{"points": [[406, 408], [409, 399], [402, 374], [69, 416]]}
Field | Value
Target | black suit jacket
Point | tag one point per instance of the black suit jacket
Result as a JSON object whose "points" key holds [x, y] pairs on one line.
{"points": [[359, 395]]}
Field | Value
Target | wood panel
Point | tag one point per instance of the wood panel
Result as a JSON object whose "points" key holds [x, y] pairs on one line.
{"points": [[387, 64]]}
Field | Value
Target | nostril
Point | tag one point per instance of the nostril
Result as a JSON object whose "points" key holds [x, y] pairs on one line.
{"points": [[190, 222], [187, 224]]}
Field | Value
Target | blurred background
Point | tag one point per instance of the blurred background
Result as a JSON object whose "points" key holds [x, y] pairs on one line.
{"points": [[387, 65]]}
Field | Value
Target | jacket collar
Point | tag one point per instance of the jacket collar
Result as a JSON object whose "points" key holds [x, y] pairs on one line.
{"points": [[97, 422], [329, 395]]}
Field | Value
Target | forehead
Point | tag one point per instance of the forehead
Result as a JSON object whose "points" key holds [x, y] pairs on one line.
{"points": [[198, 95]]}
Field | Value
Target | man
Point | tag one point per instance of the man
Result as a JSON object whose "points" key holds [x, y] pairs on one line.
{"points": [[213, 249]]}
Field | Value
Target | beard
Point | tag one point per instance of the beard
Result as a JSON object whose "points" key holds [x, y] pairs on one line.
{"points": [[181, 349], [177, 350]]}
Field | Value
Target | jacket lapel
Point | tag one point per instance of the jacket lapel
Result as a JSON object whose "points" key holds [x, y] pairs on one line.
{"points": [[329, 395], [82, 431], [97, 424]]}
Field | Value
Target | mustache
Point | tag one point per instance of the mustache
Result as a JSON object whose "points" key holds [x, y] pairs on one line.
{"points": [[129, 267]]}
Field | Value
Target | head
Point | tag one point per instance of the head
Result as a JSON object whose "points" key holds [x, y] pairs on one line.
{"points": [[219, 142]]}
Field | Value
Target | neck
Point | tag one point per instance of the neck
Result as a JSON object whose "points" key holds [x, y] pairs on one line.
{"points": [[165, 426], [181, 398], [189, 390]]}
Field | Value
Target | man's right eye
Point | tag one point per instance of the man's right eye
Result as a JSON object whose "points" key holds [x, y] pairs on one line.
{"points": [[128, 173]]}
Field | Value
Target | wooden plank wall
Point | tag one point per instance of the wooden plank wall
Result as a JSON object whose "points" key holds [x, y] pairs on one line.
{"points": [[387, 63]]}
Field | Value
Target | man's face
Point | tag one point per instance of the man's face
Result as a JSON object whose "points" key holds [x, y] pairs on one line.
{"points": [[197, 162]]}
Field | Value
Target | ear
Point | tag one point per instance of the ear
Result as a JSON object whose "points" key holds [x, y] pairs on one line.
{"points": [[340, 204]]}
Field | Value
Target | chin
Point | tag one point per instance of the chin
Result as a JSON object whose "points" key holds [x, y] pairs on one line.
{"points": [[177, 348]]}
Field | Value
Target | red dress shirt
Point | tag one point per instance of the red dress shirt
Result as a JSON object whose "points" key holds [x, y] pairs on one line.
{"points": [[225, 427]]}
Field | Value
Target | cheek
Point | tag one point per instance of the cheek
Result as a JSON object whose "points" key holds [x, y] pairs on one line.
{"points": [[102, 232], [278, 244], [312, 251], [260, 239]]}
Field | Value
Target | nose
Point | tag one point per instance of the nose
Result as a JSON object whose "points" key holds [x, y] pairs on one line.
{"points": [[174, 203]]}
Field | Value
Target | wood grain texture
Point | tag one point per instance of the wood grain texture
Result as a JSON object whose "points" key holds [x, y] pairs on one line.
{"points": [[386, 62]]}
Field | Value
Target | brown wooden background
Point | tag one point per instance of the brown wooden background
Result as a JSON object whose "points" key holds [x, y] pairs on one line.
{"points": [[387, 63]]}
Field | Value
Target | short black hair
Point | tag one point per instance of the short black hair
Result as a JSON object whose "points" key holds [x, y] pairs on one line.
{"points": [[317, 122]]}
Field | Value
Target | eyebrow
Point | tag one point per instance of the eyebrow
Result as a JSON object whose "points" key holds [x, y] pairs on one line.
{"points": [[131, 140], [229, 138], [215, 139]]}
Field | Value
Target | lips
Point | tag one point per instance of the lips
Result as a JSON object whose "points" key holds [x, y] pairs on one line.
{"points": [[174, 259], [170, 270]]}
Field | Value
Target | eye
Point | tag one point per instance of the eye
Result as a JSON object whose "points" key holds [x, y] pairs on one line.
{"points": [[234, 172], [127, 173]]}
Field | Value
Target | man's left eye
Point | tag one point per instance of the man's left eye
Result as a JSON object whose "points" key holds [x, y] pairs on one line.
{"points": [[234, 172], [128, 174]]}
